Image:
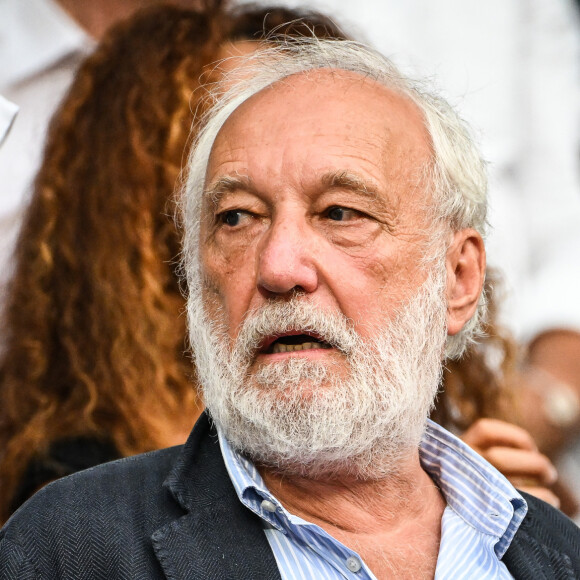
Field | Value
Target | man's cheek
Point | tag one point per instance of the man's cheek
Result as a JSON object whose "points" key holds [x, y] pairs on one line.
{"points": [[227, 289], [222, 265]]}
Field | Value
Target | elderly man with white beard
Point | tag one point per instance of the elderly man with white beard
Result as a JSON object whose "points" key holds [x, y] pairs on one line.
{"points": [[334, 215]]}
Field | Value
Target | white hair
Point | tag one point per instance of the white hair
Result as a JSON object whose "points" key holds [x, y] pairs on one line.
{"points": [[456, 178], [362, 424]]}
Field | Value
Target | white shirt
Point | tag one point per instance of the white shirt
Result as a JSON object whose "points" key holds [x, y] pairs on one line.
{"points": [[40, 50]]}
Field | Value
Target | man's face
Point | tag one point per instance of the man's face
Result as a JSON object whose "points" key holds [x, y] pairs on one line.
{"points": [[316, 188], [318, 333]]}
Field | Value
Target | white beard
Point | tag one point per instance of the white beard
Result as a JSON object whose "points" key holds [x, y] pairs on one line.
{"points": [[317, 418]]}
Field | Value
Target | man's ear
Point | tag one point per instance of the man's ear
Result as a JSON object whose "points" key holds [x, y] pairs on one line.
{"points": [[465, 276]]}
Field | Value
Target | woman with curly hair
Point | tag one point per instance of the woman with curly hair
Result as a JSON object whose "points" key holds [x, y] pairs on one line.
{"points": [[94, 364]]}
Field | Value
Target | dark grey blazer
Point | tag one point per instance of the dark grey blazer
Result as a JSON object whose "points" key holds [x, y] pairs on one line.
{"points": [[174, 514]]}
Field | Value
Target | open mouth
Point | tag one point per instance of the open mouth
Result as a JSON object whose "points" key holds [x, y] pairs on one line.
{"points": [[293, 342]]}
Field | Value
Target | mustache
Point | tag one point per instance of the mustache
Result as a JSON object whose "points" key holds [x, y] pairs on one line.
{"points": [[296, 315]]}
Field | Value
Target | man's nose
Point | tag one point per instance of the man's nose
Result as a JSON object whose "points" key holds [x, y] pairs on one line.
{"points": [[287, 260]]}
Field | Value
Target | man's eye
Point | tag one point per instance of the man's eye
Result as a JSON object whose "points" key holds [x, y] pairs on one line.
{"points": [[232, 217], [341, 214]]}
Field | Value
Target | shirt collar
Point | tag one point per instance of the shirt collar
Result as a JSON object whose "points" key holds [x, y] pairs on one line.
{"points": [[472, 487], [248, 483], [35, 35]]}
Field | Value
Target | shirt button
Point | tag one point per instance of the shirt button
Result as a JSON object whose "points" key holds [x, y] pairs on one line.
{"points": [[268, 506], [353, 564]]}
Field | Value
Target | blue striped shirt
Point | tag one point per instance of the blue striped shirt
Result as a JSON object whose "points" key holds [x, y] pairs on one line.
{"points": [[482, 515]]}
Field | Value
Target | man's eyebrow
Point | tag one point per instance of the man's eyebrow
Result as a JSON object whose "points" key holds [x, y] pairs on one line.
{"points": [[331, 180], [351, 182], [227, 184]]}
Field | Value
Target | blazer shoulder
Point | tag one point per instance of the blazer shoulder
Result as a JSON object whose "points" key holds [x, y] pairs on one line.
{"points": [[121, 478], [551, 526], [111, 508], [547, 544]]}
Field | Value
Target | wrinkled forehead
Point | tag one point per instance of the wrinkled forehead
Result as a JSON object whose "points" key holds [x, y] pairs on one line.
{"points": [[343, 119], [341, 96]]}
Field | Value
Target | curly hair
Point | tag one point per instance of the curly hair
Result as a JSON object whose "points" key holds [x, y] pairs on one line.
{"points": [[93, 323], [94, 332], [480, 383]]}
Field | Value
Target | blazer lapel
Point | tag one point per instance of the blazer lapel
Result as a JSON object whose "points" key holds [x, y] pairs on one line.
{"points": [[217, 538]]}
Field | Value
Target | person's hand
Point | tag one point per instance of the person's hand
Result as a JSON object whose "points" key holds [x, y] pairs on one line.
{"points": [[511, 450]]}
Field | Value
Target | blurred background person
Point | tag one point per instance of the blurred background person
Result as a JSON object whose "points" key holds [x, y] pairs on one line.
{"points": [[95, 366]]}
